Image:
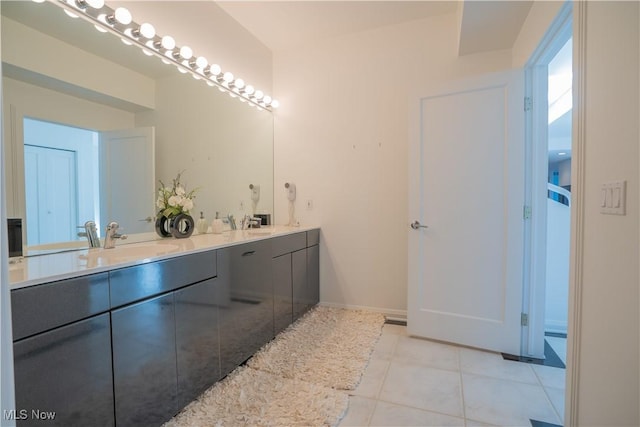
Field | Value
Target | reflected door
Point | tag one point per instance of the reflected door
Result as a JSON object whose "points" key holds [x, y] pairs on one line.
{"points": [[51, 194], [127, 179]]}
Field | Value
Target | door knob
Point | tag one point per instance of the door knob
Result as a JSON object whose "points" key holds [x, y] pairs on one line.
{"points": [[416, 225]]}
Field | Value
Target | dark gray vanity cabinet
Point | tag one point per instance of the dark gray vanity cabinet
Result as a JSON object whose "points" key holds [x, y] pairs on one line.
{"points": [[282, 294], [163, 343], [66, 371], [311, 295], [197, 342], [246, 303], [295, 270], [144, 362], [62, 352]]}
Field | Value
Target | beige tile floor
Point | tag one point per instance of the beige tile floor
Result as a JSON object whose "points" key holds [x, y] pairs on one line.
{"points": [[415, 382]]}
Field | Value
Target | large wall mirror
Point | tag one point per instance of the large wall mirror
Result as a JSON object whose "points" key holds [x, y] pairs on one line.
{"points": [[92, 125]]}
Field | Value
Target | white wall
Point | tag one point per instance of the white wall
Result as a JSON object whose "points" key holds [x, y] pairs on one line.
{"points": [[341, 135], [608, 341], [556, 296]]}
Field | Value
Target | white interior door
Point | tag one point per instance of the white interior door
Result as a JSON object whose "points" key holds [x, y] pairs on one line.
{"points": [[127, 178], [51, 194], [467, 186]]}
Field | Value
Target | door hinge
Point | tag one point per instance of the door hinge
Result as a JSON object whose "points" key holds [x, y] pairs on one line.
{"points": [[528, 103], [526, 212], [524, 319]]}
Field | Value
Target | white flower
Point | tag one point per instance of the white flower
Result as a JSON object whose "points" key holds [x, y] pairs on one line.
{"points": [[160, 202], [180, 191], [174, 201], [187, 204]]}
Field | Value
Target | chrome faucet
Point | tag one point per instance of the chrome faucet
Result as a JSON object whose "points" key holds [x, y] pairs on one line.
{"points": [[91, 233], [112, 234]]}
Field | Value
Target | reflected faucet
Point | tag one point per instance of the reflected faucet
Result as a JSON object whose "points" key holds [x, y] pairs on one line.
{"points": [[91, 233], [250, 222], [112, 234]]}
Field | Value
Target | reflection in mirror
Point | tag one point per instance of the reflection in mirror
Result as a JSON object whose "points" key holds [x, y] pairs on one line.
{"points": [[60, 73]]}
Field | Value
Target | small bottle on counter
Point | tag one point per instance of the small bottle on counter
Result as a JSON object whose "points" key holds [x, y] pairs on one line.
{"points": [[217, 226], [202, 225]]}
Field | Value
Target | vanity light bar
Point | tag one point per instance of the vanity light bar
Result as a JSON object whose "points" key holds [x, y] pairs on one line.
{"points": [[120, 23]]}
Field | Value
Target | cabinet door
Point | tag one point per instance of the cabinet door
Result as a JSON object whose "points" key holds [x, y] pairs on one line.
{"points": [[313, 274], [196, 340], [282, 292], [300, 285], [66, 371], [246, 318], [144, 362]]}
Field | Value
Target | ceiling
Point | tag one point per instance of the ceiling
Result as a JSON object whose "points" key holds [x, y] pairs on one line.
{"points": [[281, 25]]}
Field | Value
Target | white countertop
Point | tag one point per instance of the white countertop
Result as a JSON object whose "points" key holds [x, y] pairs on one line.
{"points": [[63, 265]]}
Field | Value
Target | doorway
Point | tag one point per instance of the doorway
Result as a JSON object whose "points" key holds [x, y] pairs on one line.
{"points": [[548, 103], [559, 107], [61, 171]]}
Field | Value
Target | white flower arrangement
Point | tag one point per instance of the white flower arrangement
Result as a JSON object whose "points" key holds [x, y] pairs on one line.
{"points": [[174, 200]]}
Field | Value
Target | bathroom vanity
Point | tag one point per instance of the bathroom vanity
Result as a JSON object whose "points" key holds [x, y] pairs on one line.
{"points": [[126, 338]]}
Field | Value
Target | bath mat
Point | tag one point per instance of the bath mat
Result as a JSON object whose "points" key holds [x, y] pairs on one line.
{"points": [[249, 397], [328, 346]]}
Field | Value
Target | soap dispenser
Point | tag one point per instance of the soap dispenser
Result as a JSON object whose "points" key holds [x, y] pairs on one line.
{"points": [[202, 225]]}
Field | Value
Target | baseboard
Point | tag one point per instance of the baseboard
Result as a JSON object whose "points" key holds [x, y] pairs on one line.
{"points": [[389, 313]]}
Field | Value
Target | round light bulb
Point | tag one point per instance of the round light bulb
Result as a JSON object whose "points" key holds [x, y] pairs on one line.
{"points": [[275, 103], [228, 77], [201, 62], [168, 43], [215, 69], [127, 42], [258, 95], [267, 100], [210, 83], [186, 52], [96, 4], [183, 71], [249, 90], [239, 83], [101, 29], [147, 52], [147, 31], [123, 16]]}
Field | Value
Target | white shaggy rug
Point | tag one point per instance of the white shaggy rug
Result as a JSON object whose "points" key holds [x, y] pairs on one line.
{"points": [[248, 397], [296, 379], [328, 346]]}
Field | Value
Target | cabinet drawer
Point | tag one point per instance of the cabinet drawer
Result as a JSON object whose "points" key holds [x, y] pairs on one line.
{"points": [[313, 237], [143, 281], [43, 307], [287, 244]]}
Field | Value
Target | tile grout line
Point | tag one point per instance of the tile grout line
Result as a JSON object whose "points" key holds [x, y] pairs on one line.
{"points": [[464, 406], [384, 379]]}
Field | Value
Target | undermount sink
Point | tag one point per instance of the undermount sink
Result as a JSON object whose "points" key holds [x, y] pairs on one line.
{"points": [[130, 252]]}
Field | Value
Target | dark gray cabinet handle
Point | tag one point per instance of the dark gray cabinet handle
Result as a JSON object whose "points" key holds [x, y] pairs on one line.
{"points": [[248, 253]]}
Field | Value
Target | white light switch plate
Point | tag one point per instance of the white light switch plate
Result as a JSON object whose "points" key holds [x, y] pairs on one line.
{"points": [[613, 198]]}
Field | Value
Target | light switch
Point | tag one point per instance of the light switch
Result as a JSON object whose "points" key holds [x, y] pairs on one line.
{"points": [[616, 197], [613, 198]]}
